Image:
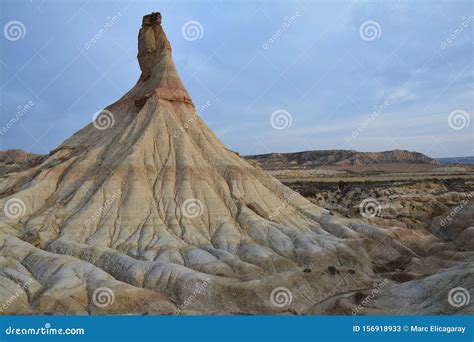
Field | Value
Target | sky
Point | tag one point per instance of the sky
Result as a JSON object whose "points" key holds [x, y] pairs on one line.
{"points": [[271, 76]]}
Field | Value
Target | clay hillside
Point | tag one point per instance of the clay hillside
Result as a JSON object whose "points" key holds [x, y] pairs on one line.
{"points": [[144, 211]]}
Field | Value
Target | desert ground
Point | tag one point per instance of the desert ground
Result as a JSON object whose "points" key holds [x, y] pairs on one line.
{"points": [[427, 198]]}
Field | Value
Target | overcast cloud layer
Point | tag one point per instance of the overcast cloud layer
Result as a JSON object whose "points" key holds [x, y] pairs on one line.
{"points": [[334, 84]]}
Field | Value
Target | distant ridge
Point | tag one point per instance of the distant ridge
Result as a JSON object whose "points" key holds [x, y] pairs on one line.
{"points": [[18, 156], [308, 159], [17, 160], [457, 160]]}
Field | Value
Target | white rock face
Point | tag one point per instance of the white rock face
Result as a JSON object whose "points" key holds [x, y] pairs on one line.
{"points": [[158, 216]]}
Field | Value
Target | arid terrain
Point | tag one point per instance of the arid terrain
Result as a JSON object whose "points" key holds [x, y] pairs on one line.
{"points": [[145, 211], [17, 160], [388, 189]]}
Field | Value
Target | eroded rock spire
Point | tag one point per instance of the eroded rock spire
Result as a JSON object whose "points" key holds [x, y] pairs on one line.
{"points": [[159, 74]]}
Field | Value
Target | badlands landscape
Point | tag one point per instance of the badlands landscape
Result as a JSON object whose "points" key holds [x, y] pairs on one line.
{"points": [[145, 211]]}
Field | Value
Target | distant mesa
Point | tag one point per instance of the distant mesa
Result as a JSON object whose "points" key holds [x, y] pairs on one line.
{"points": [[309, 159]]}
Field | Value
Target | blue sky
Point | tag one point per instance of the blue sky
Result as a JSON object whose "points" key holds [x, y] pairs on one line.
{"points": [[342, 87]]}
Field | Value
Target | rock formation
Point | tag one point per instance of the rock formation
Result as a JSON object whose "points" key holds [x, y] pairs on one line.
{"points": [[16, 160], [126, 216], [338, 158]]}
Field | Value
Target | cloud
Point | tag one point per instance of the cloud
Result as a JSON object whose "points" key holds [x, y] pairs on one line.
{"points": [[319, 70]]}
